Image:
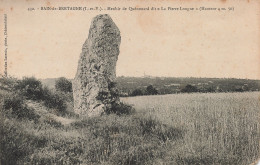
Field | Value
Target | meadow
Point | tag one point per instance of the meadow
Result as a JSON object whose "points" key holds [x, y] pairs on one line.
{"points": [[220, 128], [207, 128]]}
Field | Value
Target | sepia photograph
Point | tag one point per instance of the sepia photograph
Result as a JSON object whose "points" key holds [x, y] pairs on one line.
{"points": [[134, 82]]}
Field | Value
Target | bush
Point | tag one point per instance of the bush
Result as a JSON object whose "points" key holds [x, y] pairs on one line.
{"points": [[54, 100], [137, 92], [122, 109], [189, 89], [15, 106], [63, 84], [31, 88], [8, 83], [150, 90]]}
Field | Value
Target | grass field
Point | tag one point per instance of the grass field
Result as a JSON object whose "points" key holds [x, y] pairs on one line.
{"points": [[171, 129], [218, 127]]}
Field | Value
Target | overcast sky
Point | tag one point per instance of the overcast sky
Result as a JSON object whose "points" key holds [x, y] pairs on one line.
{"points": [[47, 44]]}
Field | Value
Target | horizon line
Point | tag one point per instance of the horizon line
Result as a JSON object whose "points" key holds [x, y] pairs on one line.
{"points": [[146, 76]]}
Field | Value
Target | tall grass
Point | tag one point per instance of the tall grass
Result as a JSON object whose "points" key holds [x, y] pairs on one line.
{"points": [[171, 129], [220, 128]]}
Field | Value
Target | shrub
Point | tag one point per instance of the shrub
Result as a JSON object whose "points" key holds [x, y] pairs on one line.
{"points": [[189, 89], [54, 100], [63, 84], [137, 92], [7, 83], [31, 88], [122, 109], [150, 90], [15, 106], [111, 96]]}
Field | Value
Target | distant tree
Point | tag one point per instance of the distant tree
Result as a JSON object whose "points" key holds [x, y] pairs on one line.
{"points": [[210, 89], [150, 90], [63, 84], [189, 89], [245, 87], [166, 90], [137, 92], [218, 89], [238, 89]]}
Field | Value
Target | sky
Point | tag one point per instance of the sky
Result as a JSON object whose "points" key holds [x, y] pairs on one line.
{"points": [[222, 44]]}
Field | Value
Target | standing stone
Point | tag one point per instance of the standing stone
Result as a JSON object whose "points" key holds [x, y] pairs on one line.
{"points": [[94, 90]]}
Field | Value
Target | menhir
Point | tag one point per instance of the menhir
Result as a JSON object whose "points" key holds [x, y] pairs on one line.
{"points": [[94, 90]]}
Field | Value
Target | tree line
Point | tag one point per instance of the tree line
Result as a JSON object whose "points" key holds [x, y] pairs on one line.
{"points": [[137, 86]]}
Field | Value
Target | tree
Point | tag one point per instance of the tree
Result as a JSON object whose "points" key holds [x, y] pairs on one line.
{"points": [[63, 84], [137, 92], [189, 89], [150, 90]]}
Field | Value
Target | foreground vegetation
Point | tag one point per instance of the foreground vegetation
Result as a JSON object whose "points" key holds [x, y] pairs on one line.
{"points": [[219, 128], [171, 129]]}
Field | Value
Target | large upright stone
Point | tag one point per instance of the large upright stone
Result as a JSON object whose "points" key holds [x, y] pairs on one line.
{"points": [[93, 86]]}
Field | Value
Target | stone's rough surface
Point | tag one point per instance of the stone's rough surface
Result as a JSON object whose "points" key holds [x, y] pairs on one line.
{"points": [[94, 90]]}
